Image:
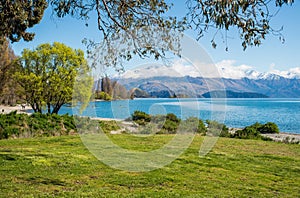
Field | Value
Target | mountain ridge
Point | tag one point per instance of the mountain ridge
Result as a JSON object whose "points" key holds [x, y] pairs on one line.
{"points": [[228, 72], [197, 86]]}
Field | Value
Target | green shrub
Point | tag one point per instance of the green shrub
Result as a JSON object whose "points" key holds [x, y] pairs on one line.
{"points": [[269, 127], [215, 128], [10, 131], [193, 125], [103, 96], [170, 126], [108, 126], [141, 117], [254, 131], [158, 119], [247, 133], [37, 124], [172, 117]]}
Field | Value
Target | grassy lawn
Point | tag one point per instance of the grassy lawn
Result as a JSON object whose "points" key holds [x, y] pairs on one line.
{"points": [[62, 166]]}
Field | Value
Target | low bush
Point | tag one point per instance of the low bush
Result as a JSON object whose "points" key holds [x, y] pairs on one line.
{"points": [[193, 125], [15, 125], [172, 117], [215, 128], [254, 131], [141, 117], [108, 126], [269, 127], [167, 124], [247, 133], [170, 127], [37, 124]]}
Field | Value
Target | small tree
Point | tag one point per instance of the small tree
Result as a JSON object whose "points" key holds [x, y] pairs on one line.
{"points": [[269, 127], [48, 77]]}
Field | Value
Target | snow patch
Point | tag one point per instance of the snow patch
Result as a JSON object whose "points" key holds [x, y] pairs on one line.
{"points": [[226, 69]]}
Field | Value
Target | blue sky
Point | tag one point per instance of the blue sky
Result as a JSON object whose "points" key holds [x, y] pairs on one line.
{"points": [[272, 54]]}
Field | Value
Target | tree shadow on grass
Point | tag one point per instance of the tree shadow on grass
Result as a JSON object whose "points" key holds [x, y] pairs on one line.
{"points": [[46, 181], [9, 157]]}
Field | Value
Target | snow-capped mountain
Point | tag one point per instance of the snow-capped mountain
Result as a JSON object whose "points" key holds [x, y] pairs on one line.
{"points": [[223, 69], [189, 81]]}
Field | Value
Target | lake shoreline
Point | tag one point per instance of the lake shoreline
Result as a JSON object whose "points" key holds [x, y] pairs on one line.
{"points": [[277, 137], [284, 137], [289, 137], [4, 109]]}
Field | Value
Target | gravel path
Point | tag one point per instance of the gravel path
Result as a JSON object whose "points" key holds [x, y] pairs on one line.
{"points": [[18, 108], [284, 137]]}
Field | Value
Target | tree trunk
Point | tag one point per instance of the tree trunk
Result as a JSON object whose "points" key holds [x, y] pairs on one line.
{"points": [[49, 108], [56, 108]]}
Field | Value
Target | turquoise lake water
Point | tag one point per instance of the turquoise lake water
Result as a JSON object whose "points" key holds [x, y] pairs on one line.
{"points": [[233, 112]]}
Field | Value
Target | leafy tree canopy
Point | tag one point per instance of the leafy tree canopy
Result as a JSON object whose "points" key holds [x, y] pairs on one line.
{"points": [[250, 17], [143, 27], [16, 16], [53, 75], [6, 58]]}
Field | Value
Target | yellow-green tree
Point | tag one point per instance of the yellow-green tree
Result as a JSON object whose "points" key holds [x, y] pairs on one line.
{"points": [[51, 74]]}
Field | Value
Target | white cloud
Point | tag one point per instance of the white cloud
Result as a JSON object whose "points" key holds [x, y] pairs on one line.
{"points": [[228, 69], [225, 69], [178, 68]]}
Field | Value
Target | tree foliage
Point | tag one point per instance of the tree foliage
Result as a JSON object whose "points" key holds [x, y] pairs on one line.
{"points": [[107, 89], [251, 18], [214, 128], [6, 57], [53, 75], [141, 117], [19, 15], [193, 125], [101, 95], [143, 27], [167, 124], [107, 86], [128, 28], [8, 87], [255, 130]]}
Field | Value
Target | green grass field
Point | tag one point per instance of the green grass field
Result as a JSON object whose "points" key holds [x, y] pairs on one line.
{"points": [[62, 166]]}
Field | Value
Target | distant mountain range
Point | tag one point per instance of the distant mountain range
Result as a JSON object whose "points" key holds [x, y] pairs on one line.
{"points": [[153, 82], [227, 72]]}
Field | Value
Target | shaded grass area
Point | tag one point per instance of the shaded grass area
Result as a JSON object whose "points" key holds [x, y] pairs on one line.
{"points": [[62, 166]]}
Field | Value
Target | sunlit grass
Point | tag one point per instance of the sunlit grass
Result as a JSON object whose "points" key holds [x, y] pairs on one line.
{"points": [[62, 166]]}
